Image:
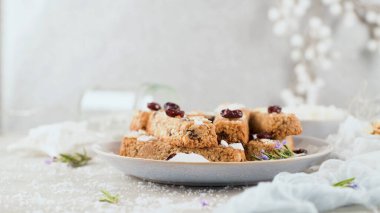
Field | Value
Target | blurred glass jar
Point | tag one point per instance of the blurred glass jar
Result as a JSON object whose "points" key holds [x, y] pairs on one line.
{"points": [[99, 102], [160, 93], [110, 111], [106, 110]]}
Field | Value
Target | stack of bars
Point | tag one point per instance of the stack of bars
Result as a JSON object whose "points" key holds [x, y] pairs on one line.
{"points": [[233, 133]]}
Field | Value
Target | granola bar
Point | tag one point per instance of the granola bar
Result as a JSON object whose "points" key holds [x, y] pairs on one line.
{"points": [[279, 125], [145, 146], [190, 132], [265, 149], [140, 120], [233, 130]]}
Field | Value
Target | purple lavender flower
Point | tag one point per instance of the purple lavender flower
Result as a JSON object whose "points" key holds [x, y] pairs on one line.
{"points": [[204, 203], [279, 144], [50, 160], [353, 186], [264, 157]]}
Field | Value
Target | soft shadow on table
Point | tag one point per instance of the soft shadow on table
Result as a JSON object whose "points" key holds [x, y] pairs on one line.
{"points": [[197, 186]]}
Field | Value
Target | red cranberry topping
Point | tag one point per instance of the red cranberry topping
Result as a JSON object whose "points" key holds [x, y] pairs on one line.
{"points": [[274, 109], [300, 151], [154, 106], [227, 113], [263, 135], [170, 105], [174, 113]]}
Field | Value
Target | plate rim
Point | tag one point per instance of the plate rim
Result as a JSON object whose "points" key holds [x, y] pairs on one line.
{"points": [[328, 149]]}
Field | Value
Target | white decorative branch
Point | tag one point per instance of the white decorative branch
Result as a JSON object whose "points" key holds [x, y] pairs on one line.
{"points": [[308, 26]]}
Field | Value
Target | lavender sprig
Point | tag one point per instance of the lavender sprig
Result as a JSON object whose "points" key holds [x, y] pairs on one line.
{"points": [[279, 144], [347, 183], [282, 153], [74, 160]]}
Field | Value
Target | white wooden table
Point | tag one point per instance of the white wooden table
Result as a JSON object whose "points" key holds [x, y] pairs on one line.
{"points": [[29, 184]]}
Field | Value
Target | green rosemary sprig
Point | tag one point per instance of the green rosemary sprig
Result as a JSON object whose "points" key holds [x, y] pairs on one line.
{"points": [[75, 160], [345, 183], [276, 154], [288, 151], [109, 198]]}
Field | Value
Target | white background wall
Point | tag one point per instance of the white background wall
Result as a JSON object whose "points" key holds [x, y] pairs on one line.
{"points": [[211, 51]]}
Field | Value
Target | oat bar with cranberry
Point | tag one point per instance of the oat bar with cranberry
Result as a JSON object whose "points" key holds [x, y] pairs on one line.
{"points": [[274, 122], [149, 147], [141, 118], [232, 129], [190, 132]]}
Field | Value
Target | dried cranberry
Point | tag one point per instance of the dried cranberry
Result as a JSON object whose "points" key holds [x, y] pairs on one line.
{"points": [[171, 156], [300, 151], [170, 105], [274, 109], [263, 135], [154, 106], [227, 113], [174, 112]]}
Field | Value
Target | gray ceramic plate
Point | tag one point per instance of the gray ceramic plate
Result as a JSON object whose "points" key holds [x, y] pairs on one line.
{"points": [[211, 173]]}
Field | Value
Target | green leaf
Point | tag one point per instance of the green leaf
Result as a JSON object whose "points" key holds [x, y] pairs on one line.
{"points": [[344, 183], [109, 198]]}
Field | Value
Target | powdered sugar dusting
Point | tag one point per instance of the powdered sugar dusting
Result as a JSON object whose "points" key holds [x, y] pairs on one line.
{"points": [[237, 146], [198, 120], [224, 143], [268, 141], [192, 157], [135, 134], [146, 138]]}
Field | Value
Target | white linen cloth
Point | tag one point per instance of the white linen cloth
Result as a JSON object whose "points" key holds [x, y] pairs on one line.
{"points": [[70, 136], [301, 192], [56, 138]]}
